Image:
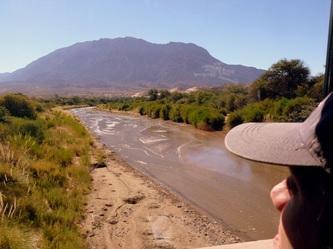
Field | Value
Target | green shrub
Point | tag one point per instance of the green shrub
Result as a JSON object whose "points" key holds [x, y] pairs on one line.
{"points": [[206, 119], [278, 109], [185, 111], [253, 113], [124, 107], [142, 110], [153, 110], [164, 112], [3, 113], [234, 119], [175, 113], [19, 106], [298, 109], [32, 128], [40, 108]]}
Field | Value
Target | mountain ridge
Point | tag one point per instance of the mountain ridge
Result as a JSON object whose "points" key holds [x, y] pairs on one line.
{"points": [[130, 63]]}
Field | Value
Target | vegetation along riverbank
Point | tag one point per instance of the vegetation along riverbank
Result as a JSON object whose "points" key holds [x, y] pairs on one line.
{"points": [[44, 175], [286, 92], [61, 189]]}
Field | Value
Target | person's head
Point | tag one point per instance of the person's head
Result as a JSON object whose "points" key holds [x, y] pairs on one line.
{"points": [[307, 148], [307, 218]]}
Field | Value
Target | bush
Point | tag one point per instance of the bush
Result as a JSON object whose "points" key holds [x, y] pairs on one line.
{"points": [[142, 110], [3, 113], [281, 110], [153, 110], [24, 127], [253, 113], [277, 110], [234, 119], [164, 112], [175, 113], [39, 108], [206, 119], [33, 129], [298, 109], [185, 111], [124, 107], [19, 106]]}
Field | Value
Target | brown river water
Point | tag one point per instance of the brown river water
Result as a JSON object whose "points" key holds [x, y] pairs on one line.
{"points": [[196, 165]]}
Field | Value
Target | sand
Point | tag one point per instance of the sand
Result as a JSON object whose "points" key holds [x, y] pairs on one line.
{"points": [[127, 209]]}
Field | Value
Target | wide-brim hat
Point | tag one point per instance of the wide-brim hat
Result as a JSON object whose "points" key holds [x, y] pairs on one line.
{"points": [[290, 144]]}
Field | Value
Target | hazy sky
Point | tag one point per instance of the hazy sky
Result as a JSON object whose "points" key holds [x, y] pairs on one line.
{"points": [[250, 32]]}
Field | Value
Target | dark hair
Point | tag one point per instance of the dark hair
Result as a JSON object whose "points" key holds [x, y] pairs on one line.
{"points": [[324, 132], [308, 216]]}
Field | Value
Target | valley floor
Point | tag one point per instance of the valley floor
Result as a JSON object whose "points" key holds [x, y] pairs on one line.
{"points": [[126, 209]]}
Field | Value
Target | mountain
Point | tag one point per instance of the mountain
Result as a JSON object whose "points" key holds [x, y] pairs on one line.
{"points": [[127, 63], [4, 76]]}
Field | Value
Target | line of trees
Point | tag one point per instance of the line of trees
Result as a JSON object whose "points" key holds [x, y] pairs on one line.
{"points": [[285, 92]]}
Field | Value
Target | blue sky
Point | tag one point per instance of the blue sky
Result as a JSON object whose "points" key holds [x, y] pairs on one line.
{"points": [[250, 32]]}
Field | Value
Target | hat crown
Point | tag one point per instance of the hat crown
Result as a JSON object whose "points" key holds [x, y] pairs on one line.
{"points": [[308, 133]]}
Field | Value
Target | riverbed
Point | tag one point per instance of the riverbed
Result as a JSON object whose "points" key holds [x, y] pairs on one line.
{"points": [[196, 165]]}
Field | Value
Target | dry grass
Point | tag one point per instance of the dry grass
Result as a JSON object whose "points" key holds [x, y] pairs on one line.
{"points": [[42, 187]]}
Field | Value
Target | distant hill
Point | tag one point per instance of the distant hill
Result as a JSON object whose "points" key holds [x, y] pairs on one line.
{"points": [[4, 76], [128, 63]]}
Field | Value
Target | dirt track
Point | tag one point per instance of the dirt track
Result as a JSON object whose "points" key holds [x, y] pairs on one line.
{"points": [[125, 209]]}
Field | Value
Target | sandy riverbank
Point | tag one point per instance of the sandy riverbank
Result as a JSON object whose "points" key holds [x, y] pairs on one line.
{"points": [[126, 209]]}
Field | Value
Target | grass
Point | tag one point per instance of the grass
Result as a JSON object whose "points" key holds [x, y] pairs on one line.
{"points": [[44, 176]]}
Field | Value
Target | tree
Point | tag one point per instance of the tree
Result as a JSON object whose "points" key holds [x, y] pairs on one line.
{"points": [[281, 80], [152, 94], [317, 87], [175, 96], [164, 94], [202, 97]]}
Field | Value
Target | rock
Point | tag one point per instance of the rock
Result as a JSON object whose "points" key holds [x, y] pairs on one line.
{"points": [[154, 206], [113, 221], [147, 233], [99, 165], [134, 199]]}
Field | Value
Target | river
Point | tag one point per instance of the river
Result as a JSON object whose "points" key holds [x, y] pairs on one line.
{"points": [[196, 165]]}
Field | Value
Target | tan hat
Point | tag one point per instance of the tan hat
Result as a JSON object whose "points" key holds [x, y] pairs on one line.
{"points": [[290, 144]]}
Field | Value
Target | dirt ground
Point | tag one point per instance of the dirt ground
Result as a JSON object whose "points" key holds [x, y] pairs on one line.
{"points": [[126, 209]]}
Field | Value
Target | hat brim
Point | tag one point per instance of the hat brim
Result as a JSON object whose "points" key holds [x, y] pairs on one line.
{"points": [[274, 143]]}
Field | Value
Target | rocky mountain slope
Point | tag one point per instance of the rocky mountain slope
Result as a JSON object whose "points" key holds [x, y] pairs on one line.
{"points": [[129, 63]]}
